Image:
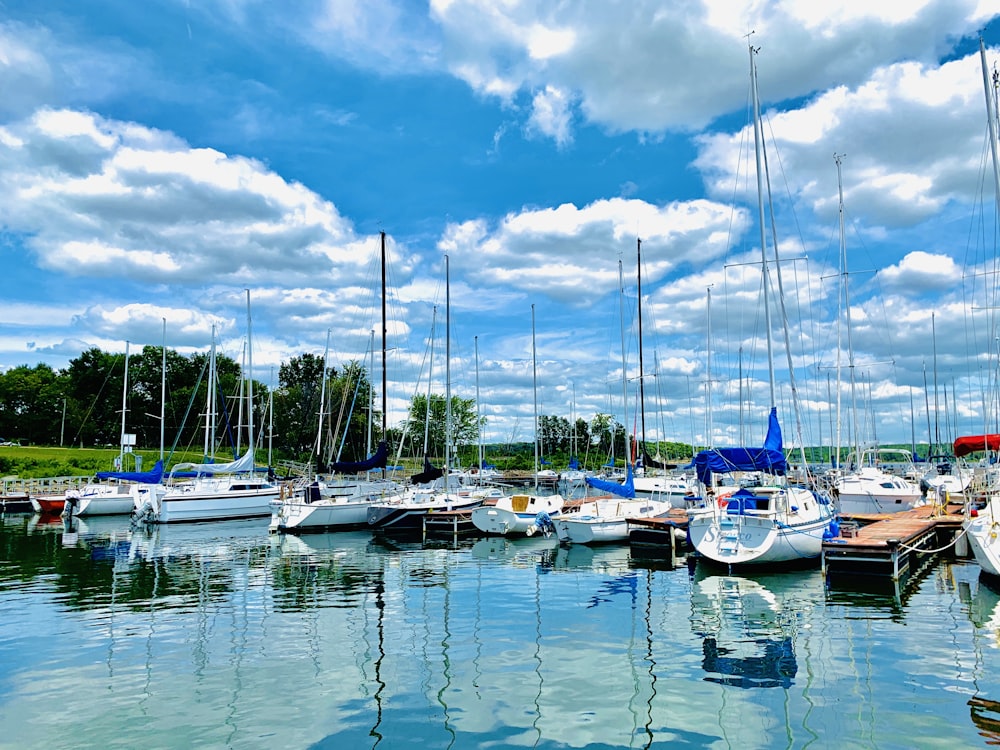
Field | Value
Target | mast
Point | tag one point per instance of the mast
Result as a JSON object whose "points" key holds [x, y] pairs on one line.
{"points": [[121, 442], [322, 397], [708, 367], [163, 389], [761, 220], [447, 374], [534, 389], [845, 300], [642, 391], [621, 310], [385, 435], [479, 419], [250, 441]]}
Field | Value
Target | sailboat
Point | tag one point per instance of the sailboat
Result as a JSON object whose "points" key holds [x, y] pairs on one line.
{"points": [[113, 493], [982, 519], [405, 511], [772, 521], [653, 481], [605, 519], [867, 487], [344, 505], [522, 513], [219, 491]]}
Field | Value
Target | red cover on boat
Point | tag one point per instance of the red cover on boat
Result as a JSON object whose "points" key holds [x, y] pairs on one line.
{"points": [[972, 443]]}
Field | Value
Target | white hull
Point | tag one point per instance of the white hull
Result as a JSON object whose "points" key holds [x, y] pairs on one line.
{"points": [[983, 532], [100, 500], [329, 506], [211, 500], [677, 492], [874, 491], [605, 521], [517, 514], [762, 537]]}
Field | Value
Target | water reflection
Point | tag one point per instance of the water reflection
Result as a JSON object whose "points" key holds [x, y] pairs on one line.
{"points": [[221, 635], [747, 630]]}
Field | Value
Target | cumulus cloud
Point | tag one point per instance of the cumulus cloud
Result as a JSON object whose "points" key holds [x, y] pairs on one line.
{"points": [[96, 194]]}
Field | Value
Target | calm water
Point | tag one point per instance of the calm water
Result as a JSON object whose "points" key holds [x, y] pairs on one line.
{"points": [[217, 635]]}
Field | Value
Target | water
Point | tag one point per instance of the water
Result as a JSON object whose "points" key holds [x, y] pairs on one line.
{"points": [[217, 635]]}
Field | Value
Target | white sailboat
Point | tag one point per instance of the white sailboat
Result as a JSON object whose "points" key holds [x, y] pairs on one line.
{"points": [[605, 519], [772, 521], [405, 511], [343, 504], [522, 513], [218, 491], [982, 524], [114, 491]]}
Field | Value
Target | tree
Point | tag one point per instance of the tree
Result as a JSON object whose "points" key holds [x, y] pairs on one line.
{"points": [[31, 404], [463, 423]]}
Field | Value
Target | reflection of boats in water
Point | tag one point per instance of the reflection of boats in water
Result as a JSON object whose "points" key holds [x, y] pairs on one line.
{"points": [[748, 626]]}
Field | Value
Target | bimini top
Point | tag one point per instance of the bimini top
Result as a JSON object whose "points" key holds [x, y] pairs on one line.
{"points": [[972, 443]]}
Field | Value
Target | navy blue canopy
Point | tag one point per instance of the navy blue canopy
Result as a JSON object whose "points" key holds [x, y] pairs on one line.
{"points": [[770, 458], [375, 461], [153, 476]]}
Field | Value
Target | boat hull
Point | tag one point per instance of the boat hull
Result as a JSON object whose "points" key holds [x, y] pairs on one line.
{"points": [[326, 514], [755, 539], [48, 504], [515, 515], [184, 504], [409, 515], [984, 541]]}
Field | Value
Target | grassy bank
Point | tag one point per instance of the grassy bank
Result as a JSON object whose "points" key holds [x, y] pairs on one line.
{"points": [[29, 462]]}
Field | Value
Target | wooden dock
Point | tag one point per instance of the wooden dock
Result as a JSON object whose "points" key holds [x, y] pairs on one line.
{"points": [[660, 535], [892, 545]]}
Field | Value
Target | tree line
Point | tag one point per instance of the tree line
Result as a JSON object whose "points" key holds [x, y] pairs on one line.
{"points": [[81, 405]]}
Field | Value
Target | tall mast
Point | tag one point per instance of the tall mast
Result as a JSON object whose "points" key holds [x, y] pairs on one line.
{"points": [[250, 441], [534, 389], [761, 220], [621, 313], [642, 390], [479, 419], [322, 397], [163, 389], [447, 374], [121, 442], [385, 435]]}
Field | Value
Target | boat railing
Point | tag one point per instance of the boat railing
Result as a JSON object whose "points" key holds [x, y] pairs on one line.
{"points": [[42, 485]]}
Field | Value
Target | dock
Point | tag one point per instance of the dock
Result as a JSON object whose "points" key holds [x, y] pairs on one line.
{"points": [[661, 536], [891, 546]]}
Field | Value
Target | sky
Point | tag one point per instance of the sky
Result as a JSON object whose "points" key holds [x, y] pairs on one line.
{"points": [[161, 162]]}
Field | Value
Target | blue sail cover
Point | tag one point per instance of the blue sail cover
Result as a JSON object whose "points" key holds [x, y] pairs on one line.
{"points": [[153, 476], [376, 461], [769, 458], [627, 489]]}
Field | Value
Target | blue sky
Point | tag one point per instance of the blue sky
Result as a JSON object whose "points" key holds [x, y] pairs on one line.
{"points": [[157, 159]]}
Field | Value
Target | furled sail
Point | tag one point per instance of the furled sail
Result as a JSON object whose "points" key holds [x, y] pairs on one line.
{"points": [[625, 489], [242, 464], [769, 458], [429, 474], [153, 476], [375, 461]]}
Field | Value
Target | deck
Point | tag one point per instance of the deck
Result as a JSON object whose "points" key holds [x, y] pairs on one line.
{"points": [[892, 545]]}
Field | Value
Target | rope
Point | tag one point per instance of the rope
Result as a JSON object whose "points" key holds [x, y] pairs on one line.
{"points": [[940, 549]]}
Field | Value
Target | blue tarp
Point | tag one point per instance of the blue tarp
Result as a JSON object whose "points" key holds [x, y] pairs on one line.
{"points": [[153, 476], [769, 458], [622, 490]]}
